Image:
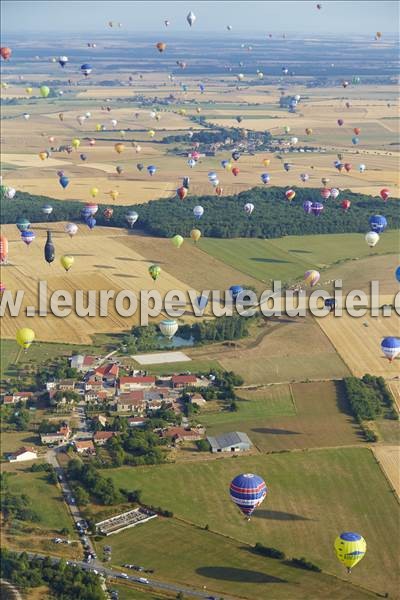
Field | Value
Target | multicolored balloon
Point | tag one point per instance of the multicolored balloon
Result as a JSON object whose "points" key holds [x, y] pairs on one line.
{"points": [[248, 491], [390, 347], [350, 548]]}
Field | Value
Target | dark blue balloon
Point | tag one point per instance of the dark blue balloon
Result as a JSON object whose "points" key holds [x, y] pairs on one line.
{"points": [[378, 223], [64, 181], [235, 290], [91, 222], [398, 274], [248, 491]]}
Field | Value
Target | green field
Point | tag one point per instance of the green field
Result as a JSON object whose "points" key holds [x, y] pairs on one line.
{"points": [[274, 401], [287, 258], [194, 366], [312, 496], [46, 499], [317, 417], [130, 593], [195, 557]]}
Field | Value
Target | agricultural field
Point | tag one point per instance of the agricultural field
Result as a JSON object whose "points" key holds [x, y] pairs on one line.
{"points": [[313, 495], [302, 415], [389, 459], [225, 566]]}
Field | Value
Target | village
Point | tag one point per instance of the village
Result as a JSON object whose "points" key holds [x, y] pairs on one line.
{"points": [[88, 413]]}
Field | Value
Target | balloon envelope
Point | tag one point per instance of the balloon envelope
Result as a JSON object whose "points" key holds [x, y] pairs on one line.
{"points": [[350, 548], [390, 347], [248, 491], [25, 337], [312, 277], [377, 223], [67, 261], [168, 327]]}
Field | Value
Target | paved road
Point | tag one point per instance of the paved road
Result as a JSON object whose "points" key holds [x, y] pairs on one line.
{"points": [[157, 585]]}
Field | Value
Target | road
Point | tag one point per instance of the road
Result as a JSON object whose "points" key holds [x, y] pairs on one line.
{"points": [[157, 585]]}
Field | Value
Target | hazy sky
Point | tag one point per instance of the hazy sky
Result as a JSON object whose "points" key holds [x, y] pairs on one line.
{"points": [[348, 16]]}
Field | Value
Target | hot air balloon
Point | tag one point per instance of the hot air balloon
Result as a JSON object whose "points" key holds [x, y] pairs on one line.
{"points": [[168, 327], [240, 76], [372, 238], [27, 116], [287, 166], [108, 213], [63, 60], [91, 208], [27, 236], [311, 278], [219, 190], [235, 290], [265, 178], [61, 116], [195, 234], [140, 166], [114, 123], [44, 91], [397, 274], [378, 223], [76, 142], [92, 142], [390, 347], [47, 209], [307, 206], [67, 261], [325, 193], [161, 46], [86, 69], [345, 204], [266, 162], [71, 229], [304, 177], [317, 208], [290, 194], [131, 218], [355, 140], [114, 194], [334, 193], [350, 548], [64, 181], [308, 131], [119, 147], [235, 171], [151, 169], [151, 133], [340, 122], [119, 170], [166, 22], [361, 168], [239, 119], [25, 337], [294, 140], [191, 17], [5, 52], [10, 193], [348, 104], [357, 130], [43, 155], [384, 194], [212, 175], [91, 222], [49, 250], [182, 192], [83, 157], [191, 163], [177, 241], [348, 167], [198, 212], [154, 271], [345, 84], [3, 250], [248, 208], [94, 191], [235, 155], [248, 491], [23, 224]]}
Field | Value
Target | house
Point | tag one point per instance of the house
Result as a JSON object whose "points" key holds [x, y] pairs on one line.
{"points": [[230, 442], [101, 437], [181, 381], [198, 400], [107, 373], [58, 437], [83, 363], [85, 447], [179, 434], [127, 384], [17, 397], [65, 385], [100, 419], [136, 421], [132, 402], [24, 453]]}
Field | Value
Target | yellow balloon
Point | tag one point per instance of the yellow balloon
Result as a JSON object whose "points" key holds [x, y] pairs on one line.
{"points": [[76, 143], [152, 133], [67, 262], [94, 191], [350, 548], [229, 166], [177, 241], [266, 162], [44, 91], [28, 90], [198, 109], [195, 234], [98, 127], [114, 194], [119, 147], [25, 337], [42, 155]]}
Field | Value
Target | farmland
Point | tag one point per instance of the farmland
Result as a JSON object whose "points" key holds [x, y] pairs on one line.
{"points": [[313, 495]]}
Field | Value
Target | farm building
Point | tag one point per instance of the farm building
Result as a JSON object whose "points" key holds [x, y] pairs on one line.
{"points": [[102, 437], [17, 397], [132, 402], [236, 441], [22, 454], [127, 384], [85, 447], [58, 437], [80, 362], [181, 381]]}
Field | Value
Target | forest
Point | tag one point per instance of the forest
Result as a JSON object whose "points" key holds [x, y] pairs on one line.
{"points": [[224, 217]]}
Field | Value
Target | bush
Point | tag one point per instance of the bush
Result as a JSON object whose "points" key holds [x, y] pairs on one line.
{"points": [[302, 563], [270, 552]]}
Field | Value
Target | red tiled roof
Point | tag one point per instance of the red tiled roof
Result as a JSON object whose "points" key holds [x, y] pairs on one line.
{"points": [[109, 369], [23, 394], [179, 432], [23, 450], [138, 379], [103, 435], [183, 379], [135, 397], [136, 419], [85, 445], [88, 361]]}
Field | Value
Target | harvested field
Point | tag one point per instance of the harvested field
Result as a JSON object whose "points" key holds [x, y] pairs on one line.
{"points": [[389, 460]]}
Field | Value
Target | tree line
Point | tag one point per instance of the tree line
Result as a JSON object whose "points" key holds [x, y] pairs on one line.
{"points": [[223, 216]]}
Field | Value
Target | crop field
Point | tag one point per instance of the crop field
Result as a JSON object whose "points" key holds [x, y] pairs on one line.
{"points": [[389, 459], [303, 415], [312, 496], [224, 566], [296, 350], [357, 341], [288, 258]]}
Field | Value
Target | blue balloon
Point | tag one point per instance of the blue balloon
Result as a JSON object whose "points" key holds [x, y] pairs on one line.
{"points": [[86, 69], [377, 223], [248, 491], [91, 222], [355, 140], [398, 274], [235, 290], [390, 347], [265, 178], [151, 169], [64, 181], [86, 213], [307, 206]]}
